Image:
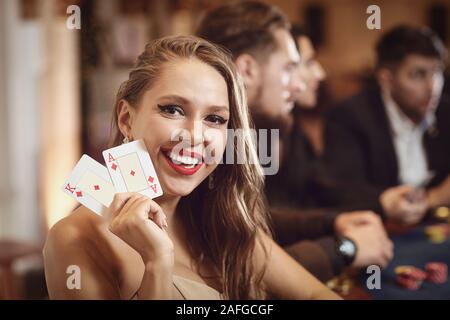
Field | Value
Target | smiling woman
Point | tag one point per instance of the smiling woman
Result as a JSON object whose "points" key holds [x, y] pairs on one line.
{"points": [[199, 240]]}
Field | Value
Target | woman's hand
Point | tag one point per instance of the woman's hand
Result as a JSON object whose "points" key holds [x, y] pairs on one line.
{"points": [[141, 223]]}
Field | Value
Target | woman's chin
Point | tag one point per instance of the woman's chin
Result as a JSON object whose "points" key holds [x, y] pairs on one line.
{"points": [[178, 188]]}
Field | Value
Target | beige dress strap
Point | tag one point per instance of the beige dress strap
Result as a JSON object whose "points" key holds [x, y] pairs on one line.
{"points": [[186, 289]]}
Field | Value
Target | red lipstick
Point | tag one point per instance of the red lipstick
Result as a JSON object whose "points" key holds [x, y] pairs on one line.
{"points": [[178, 167]]}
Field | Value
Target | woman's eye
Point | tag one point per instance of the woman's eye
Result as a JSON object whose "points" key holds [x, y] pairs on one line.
{"points": [[171, 109], [216, 119]]}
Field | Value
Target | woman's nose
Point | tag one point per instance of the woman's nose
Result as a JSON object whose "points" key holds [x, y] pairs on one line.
{"points": [[194, 132]]}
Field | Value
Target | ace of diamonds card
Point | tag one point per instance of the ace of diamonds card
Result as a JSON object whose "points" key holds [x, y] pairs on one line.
{"points": [[131, 169]]}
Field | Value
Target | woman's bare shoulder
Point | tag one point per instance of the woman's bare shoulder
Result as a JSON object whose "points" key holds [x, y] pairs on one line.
{"points": [[77, 229], [77, 241]]}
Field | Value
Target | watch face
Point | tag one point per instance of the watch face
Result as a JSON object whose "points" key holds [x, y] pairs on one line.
{"points": [[347, 248]]}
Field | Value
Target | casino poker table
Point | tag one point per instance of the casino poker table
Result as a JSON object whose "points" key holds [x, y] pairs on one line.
{"points": [[412, 247]]}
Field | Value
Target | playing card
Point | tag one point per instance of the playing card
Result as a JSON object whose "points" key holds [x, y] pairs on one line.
{"points": [[417, 195], [132, 170], [90, 185]]}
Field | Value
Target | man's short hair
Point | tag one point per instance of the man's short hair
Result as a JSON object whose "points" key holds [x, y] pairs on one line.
{"points": [[244, 27], [298, 31], [401, 41]]}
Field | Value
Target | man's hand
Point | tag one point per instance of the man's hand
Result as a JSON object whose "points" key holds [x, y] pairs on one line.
{"points": [[404, 204], [347, 220], [366, 229], [373, 245]]}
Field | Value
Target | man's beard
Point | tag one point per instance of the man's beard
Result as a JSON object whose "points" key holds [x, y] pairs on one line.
{"points": [[411, 112], [283, 123], [261, 120]]}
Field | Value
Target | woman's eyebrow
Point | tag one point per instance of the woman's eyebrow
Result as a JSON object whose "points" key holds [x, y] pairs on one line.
{"points": [[181, 100], [175, 98], [218, 109]]}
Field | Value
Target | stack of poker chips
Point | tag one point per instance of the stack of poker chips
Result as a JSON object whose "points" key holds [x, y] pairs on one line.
{"points": [[411, 278], [438, 233], [341, 284], [436, 272]]}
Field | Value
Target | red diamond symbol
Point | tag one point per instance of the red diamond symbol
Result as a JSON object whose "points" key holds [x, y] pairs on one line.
{"points": [[132, 173], [96, 187], [114, 166], [79, 194], [150, 179]]}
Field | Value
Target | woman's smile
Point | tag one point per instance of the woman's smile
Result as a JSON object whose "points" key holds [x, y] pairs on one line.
{"points": [[184, 162]]}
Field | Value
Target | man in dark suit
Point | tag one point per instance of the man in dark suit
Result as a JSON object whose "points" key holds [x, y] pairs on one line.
{"points": [[391, 140]]}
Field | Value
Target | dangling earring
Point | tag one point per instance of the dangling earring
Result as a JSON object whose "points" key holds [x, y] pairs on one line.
{"points": [[125, 140], [211, 181]]}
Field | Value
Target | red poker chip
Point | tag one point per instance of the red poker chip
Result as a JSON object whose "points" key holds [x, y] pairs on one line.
{"points": [[419, 274], [437, 272], [437, 280], [408, 283], [435, 266], [413, 273]]}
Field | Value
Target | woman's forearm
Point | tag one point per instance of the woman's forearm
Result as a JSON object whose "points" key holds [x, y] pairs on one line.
{"points": [[325, 294], [157, 282]]}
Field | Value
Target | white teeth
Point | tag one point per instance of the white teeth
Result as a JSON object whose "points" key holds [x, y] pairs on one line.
{"points": [[188, 161]]}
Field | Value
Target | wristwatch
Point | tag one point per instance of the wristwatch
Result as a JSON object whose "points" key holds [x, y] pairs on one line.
{"points": [[346, 249]]}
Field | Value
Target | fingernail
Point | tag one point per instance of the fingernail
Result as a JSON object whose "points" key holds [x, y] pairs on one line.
{"points": [[165, 223]]}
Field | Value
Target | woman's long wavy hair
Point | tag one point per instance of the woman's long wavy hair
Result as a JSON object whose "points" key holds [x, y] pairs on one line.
{"points": [[222, 222]]}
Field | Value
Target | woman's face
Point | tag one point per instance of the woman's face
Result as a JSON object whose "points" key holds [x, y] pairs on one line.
{"points": [[188, 102]]}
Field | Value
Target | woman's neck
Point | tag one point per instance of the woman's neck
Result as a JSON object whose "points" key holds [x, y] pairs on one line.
{"points": [[168, 204], [174, 228]]}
